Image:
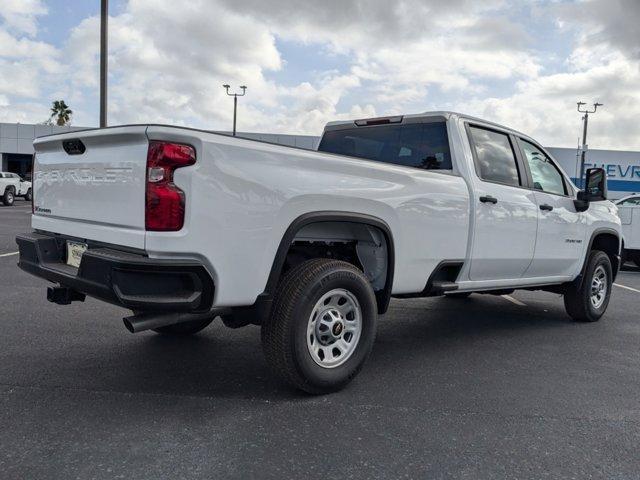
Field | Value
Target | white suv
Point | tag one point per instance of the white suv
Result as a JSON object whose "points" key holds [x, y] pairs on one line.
{"points": [[13, 185]]}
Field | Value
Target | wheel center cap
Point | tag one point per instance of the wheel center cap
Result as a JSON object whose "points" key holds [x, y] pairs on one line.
{"points": [[337, 329]]}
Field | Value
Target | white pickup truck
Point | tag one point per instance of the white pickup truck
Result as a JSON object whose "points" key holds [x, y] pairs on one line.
{"points": [[13, 185], [181, 225]]}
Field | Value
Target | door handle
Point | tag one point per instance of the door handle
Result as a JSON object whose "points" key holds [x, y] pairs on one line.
{"points": [[488, 199], [546, 207]]}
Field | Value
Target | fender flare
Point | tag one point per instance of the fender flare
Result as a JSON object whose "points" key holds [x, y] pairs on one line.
{"points": [[594, 234], [382, 297]]}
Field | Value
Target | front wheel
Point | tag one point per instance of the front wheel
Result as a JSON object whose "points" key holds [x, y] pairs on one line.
{"points": [[589, 302], [8, 197], [322, 326], [28, 195]]}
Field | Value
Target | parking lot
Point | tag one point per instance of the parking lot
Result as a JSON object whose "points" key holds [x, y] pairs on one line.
{"points": [[487, 387]]}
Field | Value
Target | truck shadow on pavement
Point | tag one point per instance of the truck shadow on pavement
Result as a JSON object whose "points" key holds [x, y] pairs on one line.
{"points": [[227, 363]]}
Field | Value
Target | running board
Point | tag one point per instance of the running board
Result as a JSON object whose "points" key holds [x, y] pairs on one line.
{"points": [[439, 288]]}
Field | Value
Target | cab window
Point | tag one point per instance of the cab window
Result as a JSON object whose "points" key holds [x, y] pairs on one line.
{"points": [[546, 176], [418, 145]]}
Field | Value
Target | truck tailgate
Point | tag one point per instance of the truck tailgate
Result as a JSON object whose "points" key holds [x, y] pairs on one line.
{"points": [[91, 184]]}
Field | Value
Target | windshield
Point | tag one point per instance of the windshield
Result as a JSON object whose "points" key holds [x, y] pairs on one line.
{"points": [[419, 145]]}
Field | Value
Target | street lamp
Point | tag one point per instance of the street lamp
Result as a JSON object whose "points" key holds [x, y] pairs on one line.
{"points": [[584, 134], [235, 102]]}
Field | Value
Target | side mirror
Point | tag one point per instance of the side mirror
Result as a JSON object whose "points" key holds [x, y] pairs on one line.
{"points": [[596, 183], [595, 191]]}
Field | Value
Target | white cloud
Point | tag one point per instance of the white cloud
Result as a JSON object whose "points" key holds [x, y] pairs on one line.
{"points": [[603, 66], [25, 63], [21, 15], [168, 64], [491, 58]]}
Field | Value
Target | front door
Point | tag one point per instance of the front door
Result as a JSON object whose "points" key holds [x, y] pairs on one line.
{"points": [[560, 240], [506, 213]]}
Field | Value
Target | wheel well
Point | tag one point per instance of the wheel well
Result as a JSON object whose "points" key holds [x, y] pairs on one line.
{"points": [[609, 244], [358, 239]]}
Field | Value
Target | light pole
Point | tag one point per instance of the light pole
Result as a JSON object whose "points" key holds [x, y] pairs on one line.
{"points": [[584, 135], [235, 102], [104, 23]]}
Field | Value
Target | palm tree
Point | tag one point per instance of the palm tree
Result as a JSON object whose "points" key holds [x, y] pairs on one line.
{"points": [[61, 112]]}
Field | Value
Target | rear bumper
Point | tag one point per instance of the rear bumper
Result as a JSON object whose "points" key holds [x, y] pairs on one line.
{"points": [[130, 280]]}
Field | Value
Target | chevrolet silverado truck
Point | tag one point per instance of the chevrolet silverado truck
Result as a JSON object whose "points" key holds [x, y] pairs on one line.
{"points": [[13, 185], [181, 226]]}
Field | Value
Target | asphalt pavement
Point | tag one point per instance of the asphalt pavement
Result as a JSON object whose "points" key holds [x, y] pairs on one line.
{"points": [[486, 387]]}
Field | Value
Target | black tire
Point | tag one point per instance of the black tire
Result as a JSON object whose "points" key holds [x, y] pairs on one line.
{"points": [[284, 333], [458, 296], [8, 197], [185, 328], [577, 301], [27, 196]]}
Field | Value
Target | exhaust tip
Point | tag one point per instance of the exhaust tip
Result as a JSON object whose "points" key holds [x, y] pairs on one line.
{"points": [[128, 325]]}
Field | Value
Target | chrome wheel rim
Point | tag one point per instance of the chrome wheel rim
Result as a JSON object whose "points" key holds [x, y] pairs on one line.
{"points": [[599, 287], [334, 328]]}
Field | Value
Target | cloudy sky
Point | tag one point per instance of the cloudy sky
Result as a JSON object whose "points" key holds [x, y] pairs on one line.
{"points": [[306, 62]]}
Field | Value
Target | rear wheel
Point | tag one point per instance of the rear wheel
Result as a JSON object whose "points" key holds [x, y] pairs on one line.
{"points": [[322, 326], [589, 302], [8, 197], [27, 196], [185, 328]]}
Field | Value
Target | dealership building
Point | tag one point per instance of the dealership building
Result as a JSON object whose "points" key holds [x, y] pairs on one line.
{"points": [[622, 167]]}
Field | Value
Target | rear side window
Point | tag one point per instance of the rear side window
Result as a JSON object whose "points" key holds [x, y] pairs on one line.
{"points": [[419, 145], [495, 158]]}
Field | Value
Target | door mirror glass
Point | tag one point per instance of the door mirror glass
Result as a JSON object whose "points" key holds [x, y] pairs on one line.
{"points": [[596, 190], [596, 185]]}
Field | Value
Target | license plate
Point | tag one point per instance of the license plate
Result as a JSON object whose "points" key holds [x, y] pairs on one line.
{"points": [[74, 253]]}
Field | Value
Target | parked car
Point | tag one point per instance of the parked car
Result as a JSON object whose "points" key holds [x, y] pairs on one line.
{"points": [[181, 225], [12, 186], [629, 212]]}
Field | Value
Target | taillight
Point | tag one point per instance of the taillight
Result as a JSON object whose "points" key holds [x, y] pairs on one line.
{"points": [[164, 201]]}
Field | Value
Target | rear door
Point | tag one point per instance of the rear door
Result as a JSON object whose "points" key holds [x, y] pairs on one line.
{"points": [[506, 213], [91, 185], [559, 243]]}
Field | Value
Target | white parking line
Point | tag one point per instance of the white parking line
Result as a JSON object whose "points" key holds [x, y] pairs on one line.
{"points": [[8, 254], [514, 300], [627, 288]]}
